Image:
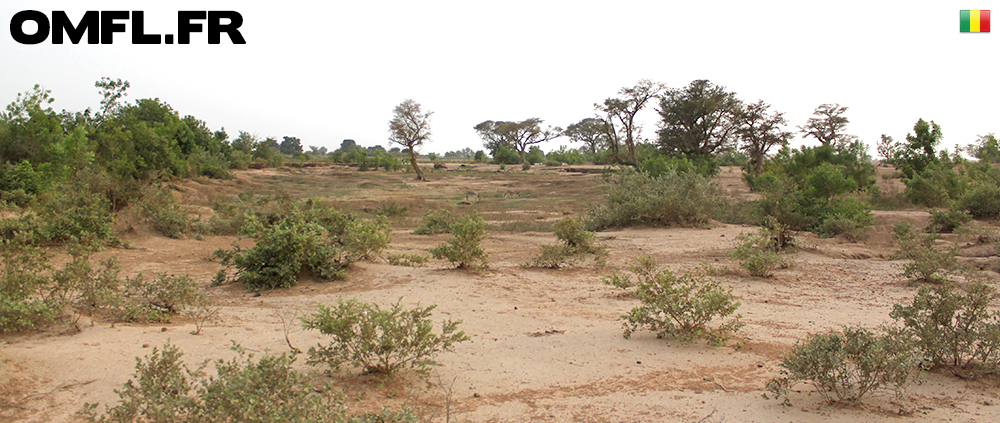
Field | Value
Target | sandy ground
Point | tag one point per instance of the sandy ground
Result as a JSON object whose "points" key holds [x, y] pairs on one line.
{"points": [[546, 345]]}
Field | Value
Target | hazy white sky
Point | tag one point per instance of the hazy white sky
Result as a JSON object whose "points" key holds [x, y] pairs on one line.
{"points": [[326, 71]]}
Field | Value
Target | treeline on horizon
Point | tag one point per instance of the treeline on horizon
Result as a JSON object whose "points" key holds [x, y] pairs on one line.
{"points": [[115, 151]]}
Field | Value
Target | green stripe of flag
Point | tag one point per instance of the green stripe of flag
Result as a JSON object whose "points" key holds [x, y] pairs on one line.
{"points": [[964, 21]]}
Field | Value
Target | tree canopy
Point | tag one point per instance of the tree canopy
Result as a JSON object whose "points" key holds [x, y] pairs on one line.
{"points": [[410, 127], [698, 119]]}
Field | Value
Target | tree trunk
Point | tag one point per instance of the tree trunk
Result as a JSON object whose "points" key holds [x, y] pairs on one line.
{"points": [[413, 163], [522, 156]]}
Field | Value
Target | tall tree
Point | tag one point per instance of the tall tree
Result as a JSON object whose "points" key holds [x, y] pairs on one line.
{"points": [[518, 136], [593, 132], [410, 127], [886, 148], [620, 112], [827, 125], [698, 119], [758, 130], [920, 149], [291, 146]]}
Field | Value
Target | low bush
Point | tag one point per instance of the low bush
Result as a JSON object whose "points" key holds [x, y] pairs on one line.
{"points": [[674, 307], [391, 209], [436, 222], [759, 253], [947, 221], [243, 390], [576, 243], [162, 212], [26, 300], [381, 341], [409, 260], [310, 238], [463, 247], [636, 198], [156, 299], [72, 213], [953, 327], [928, 262], [847, 366]]}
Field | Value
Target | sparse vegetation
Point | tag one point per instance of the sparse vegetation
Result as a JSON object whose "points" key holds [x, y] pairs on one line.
{"points": [[409, 260], [243, 390], [676, 307], [436, 222], [380, 341], [928, 262], [760, 253], [576, 243]]}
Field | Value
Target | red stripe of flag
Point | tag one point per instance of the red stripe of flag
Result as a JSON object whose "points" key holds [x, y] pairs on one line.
{"points": [[984, 21]]}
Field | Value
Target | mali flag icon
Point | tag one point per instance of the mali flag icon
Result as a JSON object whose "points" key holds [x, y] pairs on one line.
{"points": [[975, 21]]}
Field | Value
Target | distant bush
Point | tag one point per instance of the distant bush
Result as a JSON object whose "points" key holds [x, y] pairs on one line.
{"points": [[637, 198], [936, 186], [947, 221], [391, 209], [382, 341], [506, 155], [408, 260], [436, 222], [242, 390], [212, 165], [162, 212], [70, 213], [526, 166], [564, 155], [463, 248], [847, 366], [155, 300], [928, 263], [676, 307], [659, 164], [759, 253], [576, 243], [954, 327]]}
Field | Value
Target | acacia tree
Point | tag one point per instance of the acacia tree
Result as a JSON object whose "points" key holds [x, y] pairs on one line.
{"points": [[410, 128], [593, 132], [516, 135], [698, 119], [887, 148], [758, 130], [920, 149], [827, 125], [619, 114]]}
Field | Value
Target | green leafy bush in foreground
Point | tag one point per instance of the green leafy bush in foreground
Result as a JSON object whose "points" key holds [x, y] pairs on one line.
{"points": [[677, 307], [847, 366], [243, 390], [928, 262], [381, 341], [953, 327]]}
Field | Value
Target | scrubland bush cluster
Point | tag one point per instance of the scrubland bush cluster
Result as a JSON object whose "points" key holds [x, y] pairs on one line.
{"points": [[309, 237], [463, 248]]}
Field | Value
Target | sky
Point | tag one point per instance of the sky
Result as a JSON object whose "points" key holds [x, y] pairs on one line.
{"points": [[334, 70]]}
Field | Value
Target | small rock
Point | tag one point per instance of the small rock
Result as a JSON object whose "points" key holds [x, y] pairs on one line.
{"points": [[476, 395], [163, 329], [145, 345], [638, 362]]}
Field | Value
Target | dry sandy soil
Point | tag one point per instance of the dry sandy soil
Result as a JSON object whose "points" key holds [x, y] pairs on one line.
{"points": [[546, 345]]}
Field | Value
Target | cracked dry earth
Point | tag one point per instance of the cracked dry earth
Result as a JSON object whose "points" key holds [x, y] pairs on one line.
{"points": [[546, 345]]}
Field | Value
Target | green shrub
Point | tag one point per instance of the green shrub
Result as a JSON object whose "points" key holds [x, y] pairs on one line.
{"points": [[463, 247], [163, 214], [409, 260], [936, 186], [929, 263], [25, 288], [242, 390], [310, 238], [759, 253], [982, 200], [391, 209], [69, 213], [847, 366], [954, 327], [212, 165], [526, 166], [676, 307], [436, 222], [946, 221], [381, 341], [576, 243], [636, 198], [154, 300], [506, 155]]}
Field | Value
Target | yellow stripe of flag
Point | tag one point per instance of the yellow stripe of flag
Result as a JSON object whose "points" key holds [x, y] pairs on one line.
{"points": [[974, 21]]}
